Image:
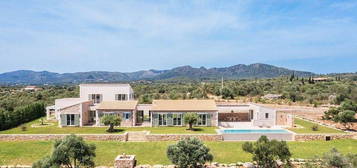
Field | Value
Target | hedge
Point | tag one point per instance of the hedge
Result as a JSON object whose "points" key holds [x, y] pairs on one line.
{"points": [[23, 114]]}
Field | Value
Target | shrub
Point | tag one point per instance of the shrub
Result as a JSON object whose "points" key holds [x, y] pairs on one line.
{"points": [[315, 127], [23, 128], [266, 152], [334, 159], [71, 151], [189, 152], [20, 115]]}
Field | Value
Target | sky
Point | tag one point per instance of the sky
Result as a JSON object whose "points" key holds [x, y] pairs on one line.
{"points": [[131, 35]]}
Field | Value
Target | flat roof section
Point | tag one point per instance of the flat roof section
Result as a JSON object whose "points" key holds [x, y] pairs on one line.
{"points": [[184, 105]]}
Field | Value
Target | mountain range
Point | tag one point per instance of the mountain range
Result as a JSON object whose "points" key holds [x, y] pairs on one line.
{"points": [[239, 71]]}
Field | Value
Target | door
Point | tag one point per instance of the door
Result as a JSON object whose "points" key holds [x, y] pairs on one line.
{"points": [[139, 116]]}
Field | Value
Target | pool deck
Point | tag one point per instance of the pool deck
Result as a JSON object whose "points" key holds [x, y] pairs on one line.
{"points": [[253, 136]]}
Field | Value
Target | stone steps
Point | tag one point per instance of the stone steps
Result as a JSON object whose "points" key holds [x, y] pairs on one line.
{"points": [[138, 136]]}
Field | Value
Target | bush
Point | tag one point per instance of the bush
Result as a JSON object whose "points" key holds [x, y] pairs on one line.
{"points": [[20, 115], [23, 128], [266, 152], [315, 127], [71, 151], [189, 152]]}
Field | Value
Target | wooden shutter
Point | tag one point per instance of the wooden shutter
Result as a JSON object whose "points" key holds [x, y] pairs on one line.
{"points": [[76, 119], [63, 119]]}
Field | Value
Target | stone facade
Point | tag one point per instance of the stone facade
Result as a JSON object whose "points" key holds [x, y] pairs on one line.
{"points": [[108, 137], [177, 137], [125, 122], [45, 137], [312, 137], [125, 161]]}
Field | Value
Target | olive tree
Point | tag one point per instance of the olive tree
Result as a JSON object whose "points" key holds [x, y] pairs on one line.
{"points": [[190, 119], [189, 152], [70, 152], [266, 152], [111, 120], [345, 117]]}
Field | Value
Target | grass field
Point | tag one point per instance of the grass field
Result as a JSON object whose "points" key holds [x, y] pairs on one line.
{"points": [[307, 128], [54, 129], [27, 152]]}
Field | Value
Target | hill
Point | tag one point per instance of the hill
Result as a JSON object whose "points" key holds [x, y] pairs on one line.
{"points": [[239, 71]]}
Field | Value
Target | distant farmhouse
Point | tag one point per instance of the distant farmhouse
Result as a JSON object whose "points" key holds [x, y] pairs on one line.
{"points": [[98, 100], [272, 96], [31, 88], [321, 79]]}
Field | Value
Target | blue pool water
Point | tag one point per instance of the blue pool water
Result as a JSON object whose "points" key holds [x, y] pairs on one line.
{"points": [[242, 131]]}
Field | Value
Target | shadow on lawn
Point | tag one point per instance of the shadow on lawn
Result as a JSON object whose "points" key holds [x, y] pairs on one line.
{"points": [[115, 131], [195, 129]]}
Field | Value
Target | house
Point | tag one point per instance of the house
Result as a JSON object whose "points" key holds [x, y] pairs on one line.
{"points": [[272, 96], [32, 88], [100, 99], [246, 115], [96, 100], [171, 112], [321, 79]]}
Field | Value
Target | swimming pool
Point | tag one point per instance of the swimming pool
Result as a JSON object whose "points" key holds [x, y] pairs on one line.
{"points": [[255, 134], [244, 131]]}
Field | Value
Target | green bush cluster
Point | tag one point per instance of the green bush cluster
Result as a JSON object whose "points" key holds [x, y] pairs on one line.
{"points": [[10, 119], [295, 89], [345, 113], [18, 106]]}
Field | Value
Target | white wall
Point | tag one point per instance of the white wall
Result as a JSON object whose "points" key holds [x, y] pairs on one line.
{"points": [[108, 91], [235, 108], [259, 116]]}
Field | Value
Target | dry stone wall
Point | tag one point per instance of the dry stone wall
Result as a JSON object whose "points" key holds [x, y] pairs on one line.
{"points": [[312, 137], [45, 137]]}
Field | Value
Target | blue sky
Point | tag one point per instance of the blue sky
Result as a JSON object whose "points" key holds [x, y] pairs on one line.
{"points": [[127, 35]]}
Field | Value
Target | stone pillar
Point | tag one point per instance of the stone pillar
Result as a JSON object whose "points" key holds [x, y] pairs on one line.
{"points": [[125, 161]]}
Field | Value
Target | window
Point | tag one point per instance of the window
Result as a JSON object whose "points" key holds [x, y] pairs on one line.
{"points": [[92, 115], [251, 114], [202, 119], [70, 119], [177, 119], [97, 98], [126, 115], [162, 119], [266, 115], [121, 97]]}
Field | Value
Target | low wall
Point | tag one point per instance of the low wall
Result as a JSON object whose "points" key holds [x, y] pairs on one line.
{"points": [[312, 137], [177, 137], [161, 137], [45, 137]]}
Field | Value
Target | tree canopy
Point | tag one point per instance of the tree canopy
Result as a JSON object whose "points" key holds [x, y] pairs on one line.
{"points": [[189, 152], [71, 152], [266, 152], [111, 120]]}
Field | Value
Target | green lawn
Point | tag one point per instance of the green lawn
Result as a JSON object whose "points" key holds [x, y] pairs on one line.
{"points": [[26, 152], [307, 128], [54, 129]]}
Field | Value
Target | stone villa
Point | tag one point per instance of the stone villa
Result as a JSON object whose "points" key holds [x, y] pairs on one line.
{"points": [[99, 99]]}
